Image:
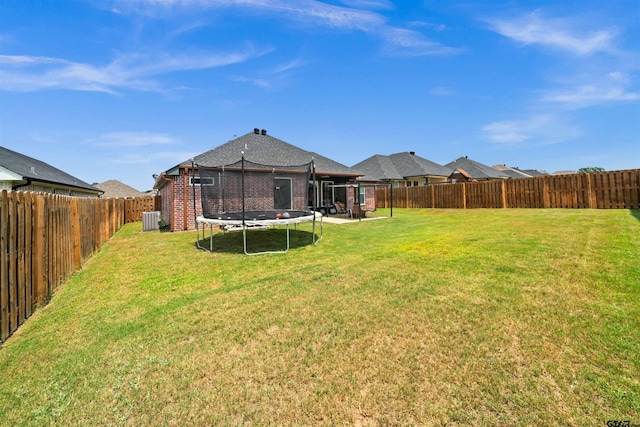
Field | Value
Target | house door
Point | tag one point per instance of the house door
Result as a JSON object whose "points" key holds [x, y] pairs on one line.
{"points": [[326, 193], [282, 196]]}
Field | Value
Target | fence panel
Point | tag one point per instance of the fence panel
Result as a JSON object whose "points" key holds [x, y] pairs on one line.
{"points": [[602, 190], [44, 238], [135, 207]]}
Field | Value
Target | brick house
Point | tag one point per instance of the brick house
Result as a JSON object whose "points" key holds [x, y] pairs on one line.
{"points": [[176, 186]]}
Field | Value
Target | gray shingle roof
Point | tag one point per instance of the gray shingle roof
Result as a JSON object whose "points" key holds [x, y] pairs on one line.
{"points": [[475, 170], [399, 166], [265, 149], [411, 165], [534, 172], [116, 189], [378, 168], [36, 170], [511, 172]]}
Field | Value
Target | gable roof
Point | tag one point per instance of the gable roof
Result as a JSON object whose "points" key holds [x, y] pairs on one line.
{"points": [[462, 172], [476, 170], [399, 166], [258, 147], [411, 165], [535, 172], [511, 172], [378, 168], [114, 189], [31, 169]]}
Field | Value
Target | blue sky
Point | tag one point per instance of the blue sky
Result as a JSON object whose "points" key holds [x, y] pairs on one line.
{"points": [[127, 89]]}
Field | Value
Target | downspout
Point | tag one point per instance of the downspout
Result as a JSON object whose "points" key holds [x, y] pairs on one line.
{"points": [[185, 198], [15, 187]]}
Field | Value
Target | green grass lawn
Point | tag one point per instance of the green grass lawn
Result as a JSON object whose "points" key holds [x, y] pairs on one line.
{"points": [[432, 317]]}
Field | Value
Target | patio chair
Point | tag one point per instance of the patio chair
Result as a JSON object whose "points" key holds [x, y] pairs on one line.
{"points": [[358, 212], [340, 210]]}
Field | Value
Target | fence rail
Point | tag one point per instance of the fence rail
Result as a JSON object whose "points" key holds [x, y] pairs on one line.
{"points": [[600, 190], [44, 238]]}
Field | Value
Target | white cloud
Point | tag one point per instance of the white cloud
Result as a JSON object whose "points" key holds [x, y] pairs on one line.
{"points": [[368, 4], [263, 83], [397, 41], [133, 139], [588, 95], [442, 91], [344, 17], [403, 42], [610, 88], [31, 73], [153, 157], [562, 34], [534, 130]]}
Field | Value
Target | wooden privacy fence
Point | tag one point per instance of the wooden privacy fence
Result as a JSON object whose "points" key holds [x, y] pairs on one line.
{"points": [[601, 190], [45, 237]]}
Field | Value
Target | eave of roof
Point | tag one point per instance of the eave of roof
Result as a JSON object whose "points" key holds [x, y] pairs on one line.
{"points": [[38, 171], [267, 150]]}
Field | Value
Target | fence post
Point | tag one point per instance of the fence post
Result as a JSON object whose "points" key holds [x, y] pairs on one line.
{"points": [[4, 265], [464, 195]]}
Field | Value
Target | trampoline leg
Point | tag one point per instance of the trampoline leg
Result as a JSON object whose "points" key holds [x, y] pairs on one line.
{"points": [[313, 232], [198, 236], [244, 240], [198, 245]]}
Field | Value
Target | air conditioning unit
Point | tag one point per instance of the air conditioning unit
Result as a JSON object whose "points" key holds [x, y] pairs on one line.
{"points": [[150, 221]]}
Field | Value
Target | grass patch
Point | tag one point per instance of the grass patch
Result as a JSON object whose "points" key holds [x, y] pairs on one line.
{"points": [[515, 317]]}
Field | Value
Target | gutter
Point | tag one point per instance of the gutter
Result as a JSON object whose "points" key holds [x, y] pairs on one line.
{"points": [[15, 187], [56, 185]]}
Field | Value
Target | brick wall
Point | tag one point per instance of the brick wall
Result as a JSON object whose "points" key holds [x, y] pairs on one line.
{"points": [[259, 195]]}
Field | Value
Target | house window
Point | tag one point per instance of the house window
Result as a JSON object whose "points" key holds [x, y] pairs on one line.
{"points": [[200, 181], [362, 195]]}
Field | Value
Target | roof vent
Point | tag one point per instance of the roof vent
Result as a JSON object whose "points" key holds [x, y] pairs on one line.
{"points": [[413, 153], [256, 131], [264, 131], [33, 170]]}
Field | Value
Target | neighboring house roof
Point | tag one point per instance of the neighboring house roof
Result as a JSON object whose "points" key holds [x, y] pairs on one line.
{"points": [[258, 147], [378, 168], [411, 165], [462, 172], [33, 170], [511, 172], [399, 166], [476, 170], [535, 172], [114, 189], [567, 172]]}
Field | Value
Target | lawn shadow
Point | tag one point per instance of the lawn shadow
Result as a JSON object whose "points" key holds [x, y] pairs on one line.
{"points": [[635, 213], [266, 240]]}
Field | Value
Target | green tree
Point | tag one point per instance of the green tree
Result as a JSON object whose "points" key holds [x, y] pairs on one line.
{"points": [[591, 169]]}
